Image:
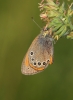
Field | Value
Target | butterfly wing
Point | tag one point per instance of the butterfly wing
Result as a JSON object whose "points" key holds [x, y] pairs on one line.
{"points": [[39, 55]]}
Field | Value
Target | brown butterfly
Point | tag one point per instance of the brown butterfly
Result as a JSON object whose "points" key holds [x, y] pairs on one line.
{"points": [[39, 55]]}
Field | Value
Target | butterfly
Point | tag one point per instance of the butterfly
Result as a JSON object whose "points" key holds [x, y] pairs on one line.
{"points": [[39, 54]]}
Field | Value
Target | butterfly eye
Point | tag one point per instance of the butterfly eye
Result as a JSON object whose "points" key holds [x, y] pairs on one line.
{"points": [[44, 63], [31, 53], [34, 63], [32, 59], [39, 63], [47, 29]]}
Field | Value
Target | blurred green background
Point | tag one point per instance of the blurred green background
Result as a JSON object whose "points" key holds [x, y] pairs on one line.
{"points": [[17, 31]]}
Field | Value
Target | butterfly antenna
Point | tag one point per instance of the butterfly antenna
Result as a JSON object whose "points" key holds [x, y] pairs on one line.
{"points": [[35, 22]]}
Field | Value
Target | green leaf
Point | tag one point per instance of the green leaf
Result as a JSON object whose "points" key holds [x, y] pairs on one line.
{"points": [[70, 36], [57, 27], [57, 20], [62, 8], [63, 32], [60, 30]]}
